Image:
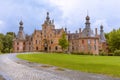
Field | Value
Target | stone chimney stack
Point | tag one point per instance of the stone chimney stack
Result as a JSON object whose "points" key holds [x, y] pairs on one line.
{"points": [[96, 33], [76, 31], [79, 30], [69, 32]]}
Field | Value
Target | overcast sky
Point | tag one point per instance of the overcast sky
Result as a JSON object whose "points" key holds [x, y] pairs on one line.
{"points": [[66, 13]]}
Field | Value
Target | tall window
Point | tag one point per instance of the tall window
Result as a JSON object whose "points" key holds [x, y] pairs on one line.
{"points": [[36, 48], [24, 43], [82, 47], [17, 48], [72, 48], [56, 48], [82, 41], [89, 47], [17, 43], [51, 41], [95, 41], [95, 47], [36, 41], [49, 48]]}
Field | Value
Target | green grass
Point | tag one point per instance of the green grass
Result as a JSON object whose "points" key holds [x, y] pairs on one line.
{"points": [[108, 65]]}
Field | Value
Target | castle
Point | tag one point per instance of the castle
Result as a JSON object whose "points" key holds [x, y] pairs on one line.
{"points": [[47, 39]]}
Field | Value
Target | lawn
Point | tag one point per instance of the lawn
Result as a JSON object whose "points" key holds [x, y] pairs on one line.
{"points": [[108, 65]]}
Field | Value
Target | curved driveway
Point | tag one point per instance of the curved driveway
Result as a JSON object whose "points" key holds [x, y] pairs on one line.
{"points": [[15, 69]]}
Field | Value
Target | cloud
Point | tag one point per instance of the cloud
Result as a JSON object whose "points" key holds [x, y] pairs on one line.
{"points": [[2, 26], [66, 13]]}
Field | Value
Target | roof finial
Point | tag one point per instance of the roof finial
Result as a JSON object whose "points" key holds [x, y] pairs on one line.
{"points": [[87, 13], [47, 18], [47, 13], [87, 17]]}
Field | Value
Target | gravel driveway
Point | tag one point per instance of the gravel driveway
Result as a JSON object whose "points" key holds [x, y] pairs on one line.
{"points": [[16, 69]]}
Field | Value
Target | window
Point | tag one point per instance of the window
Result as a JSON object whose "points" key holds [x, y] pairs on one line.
{"points": [[72, 48], [17, 48], [29, 43], [51, 42], [17, 43], [95, 41], [45, 36], [95, 47], [36, 48], [82, 41], [82, 47], [23, 48], [49, 48], [24, 43], [36, 41], [56, 48], [37, 35], [89, 47]]}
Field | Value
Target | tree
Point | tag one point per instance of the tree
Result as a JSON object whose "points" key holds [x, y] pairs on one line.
{"points": [[63, 42], [7, 43], [1, 42], [114, 40]]}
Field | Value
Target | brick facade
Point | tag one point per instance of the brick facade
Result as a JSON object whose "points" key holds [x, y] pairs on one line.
{"points": [[47, 39]]}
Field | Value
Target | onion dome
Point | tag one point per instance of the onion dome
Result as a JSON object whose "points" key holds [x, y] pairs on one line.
{"points": [[87, 17], [21, 23]]}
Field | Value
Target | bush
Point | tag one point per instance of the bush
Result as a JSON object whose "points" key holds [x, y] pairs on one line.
{"points": [[102, 53], [111, 54], [117, 53], [82, 53]]}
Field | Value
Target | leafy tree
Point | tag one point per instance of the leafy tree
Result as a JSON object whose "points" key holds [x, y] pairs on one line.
{"points": [[11, 33], [7, 42], [107, 36], [1, 42], [63, 42], [114, 40]]}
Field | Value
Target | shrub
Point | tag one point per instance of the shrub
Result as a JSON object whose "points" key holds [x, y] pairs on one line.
{"points": [[102, 53], [111, 54], [117, 53], [82, 53]]}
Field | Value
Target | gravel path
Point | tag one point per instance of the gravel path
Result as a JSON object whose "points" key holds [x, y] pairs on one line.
{"points": [[16, 69]]}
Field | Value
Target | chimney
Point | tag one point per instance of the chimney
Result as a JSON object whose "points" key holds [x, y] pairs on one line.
{"points": [[76, 31], [69, 32], [79, 30], [96, 32]]}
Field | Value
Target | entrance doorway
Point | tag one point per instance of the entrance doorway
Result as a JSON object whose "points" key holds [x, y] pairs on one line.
{"points": [[45, 49], [45, 45]]}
